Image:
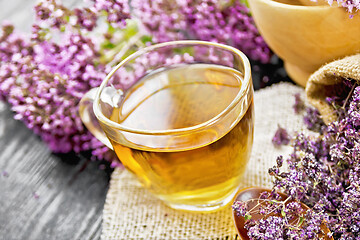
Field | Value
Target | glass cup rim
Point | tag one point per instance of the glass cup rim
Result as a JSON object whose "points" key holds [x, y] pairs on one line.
{"points": [[244, 86]]}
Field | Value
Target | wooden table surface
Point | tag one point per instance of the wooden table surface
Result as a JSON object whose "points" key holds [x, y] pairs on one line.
{"points": [[47, 196], [42, 195]]}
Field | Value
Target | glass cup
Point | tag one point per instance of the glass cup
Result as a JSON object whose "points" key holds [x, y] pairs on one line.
{"points": [[180, 116]]}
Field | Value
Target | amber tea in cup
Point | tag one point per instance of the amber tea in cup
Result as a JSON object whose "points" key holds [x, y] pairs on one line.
{"points": [[184, 123]]}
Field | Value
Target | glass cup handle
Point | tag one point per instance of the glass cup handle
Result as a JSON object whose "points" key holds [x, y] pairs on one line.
{"points": [[89, 119]]}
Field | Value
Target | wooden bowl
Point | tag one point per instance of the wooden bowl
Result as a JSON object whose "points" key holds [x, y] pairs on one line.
{"points": [[306, 37], [253, 194]]}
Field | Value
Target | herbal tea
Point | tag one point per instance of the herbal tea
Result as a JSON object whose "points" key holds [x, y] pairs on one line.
{"points": [[182, 97]]}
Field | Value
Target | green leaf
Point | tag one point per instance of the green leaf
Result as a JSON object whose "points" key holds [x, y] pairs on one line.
{"points": [[247, 217], [62, 28], [111, 29], [301, 218], [108, 45], [67, 18], [131, 28], [146, 39], [283, 214], [183, 50], [245, 2]]}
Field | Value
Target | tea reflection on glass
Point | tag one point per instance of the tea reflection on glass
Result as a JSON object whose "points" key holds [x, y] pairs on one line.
{"points": [[182, 122]]}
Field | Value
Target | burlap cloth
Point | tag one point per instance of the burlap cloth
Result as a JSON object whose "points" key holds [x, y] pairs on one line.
{"points": [[131, 212], [329, 81]]}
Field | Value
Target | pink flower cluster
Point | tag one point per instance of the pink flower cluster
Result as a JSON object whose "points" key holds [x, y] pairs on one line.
{"points": [[44, 77], [207, 20]]}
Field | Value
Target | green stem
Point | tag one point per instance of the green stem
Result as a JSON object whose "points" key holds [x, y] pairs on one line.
{"points": [[125, 48], [117, 53]]}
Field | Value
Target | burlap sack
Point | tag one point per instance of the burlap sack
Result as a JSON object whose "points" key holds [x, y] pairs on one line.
{"points": [[329, 81]]}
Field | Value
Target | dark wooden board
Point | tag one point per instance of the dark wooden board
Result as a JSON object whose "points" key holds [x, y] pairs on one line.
{"points": [[42, 195]]}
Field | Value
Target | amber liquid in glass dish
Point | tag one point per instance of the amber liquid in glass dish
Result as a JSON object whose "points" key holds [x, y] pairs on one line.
{"points": [[181, 97]]}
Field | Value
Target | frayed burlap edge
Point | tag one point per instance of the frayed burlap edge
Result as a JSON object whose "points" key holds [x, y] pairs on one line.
{"points": [[328, 81]]}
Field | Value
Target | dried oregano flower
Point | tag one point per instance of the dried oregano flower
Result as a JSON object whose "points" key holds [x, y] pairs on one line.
{"points": [[323, 173]]}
